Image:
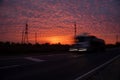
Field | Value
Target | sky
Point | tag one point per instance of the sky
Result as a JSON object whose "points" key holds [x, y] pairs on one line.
{"points": [[53, 20]]}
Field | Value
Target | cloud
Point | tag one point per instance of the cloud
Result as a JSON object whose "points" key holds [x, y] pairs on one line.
{"points": [[56, 15], [1, 1], [117, 2]]}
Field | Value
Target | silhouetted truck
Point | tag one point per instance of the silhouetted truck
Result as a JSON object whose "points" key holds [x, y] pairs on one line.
{"points": [[87, 43]]}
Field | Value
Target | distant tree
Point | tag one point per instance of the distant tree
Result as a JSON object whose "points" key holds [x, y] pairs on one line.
{"points": [[117, 43]]}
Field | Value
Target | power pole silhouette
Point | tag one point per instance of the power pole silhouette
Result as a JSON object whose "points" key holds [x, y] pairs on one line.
{"points": [[35, 38], [75, 29], [117, 38], [25, 35]]}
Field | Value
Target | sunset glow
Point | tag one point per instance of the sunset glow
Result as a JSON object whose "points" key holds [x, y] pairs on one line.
{"points": [[59, 39], [53, 20], [55, 40]]}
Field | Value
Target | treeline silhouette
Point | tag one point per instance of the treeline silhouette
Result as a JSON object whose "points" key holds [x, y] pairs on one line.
{"points": [[18, 48], [9, 48], [117, 44]]}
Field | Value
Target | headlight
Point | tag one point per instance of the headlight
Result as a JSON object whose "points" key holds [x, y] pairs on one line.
{"points": [[72, 49], [82, 50], [75, 49]]}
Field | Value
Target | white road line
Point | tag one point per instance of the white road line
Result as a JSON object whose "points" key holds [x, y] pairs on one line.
{"points": [[34, 59], [12, 66], [80, 77]]}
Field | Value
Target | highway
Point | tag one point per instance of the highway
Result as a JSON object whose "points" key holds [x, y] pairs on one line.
{"points": [[52, 67]]}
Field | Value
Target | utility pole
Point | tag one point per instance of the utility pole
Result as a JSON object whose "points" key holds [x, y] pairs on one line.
{"points": [[75, 29], [22, 37], [25, 35], [35, 38], [116, 38]]}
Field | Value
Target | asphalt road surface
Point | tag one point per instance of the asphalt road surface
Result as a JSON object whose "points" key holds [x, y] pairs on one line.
{"points": [[52, 67]]}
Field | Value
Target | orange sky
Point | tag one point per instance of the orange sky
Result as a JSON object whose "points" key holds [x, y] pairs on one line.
{"points": [[53, 20]]}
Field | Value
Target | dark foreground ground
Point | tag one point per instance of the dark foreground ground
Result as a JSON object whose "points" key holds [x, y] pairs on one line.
{"points": [[57, 66]]}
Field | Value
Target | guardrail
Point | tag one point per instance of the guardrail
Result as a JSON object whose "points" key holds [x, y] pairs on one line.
{"points": [[110, 70]]}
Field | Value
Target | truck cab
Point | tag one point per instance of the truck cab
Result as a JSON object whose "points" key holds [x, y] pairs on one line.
{"points": [[87, 44]]}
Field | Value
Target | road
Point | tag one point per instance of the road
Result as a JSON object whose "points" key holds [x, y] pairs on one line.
{"points": [[52, 67]]}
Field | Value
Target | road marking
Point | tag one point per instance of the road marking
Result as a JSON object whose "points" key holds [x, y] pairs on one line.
{"points": [[34, 59], [12, 66], [84, 75]]}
